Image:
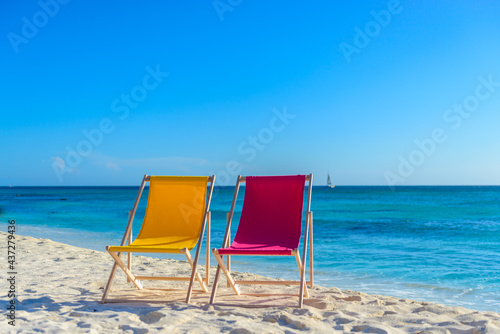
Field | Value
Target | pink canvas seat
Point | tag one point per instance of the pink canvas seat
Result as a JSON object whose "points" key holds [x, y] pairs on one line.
{"points": [[255, 249], [270, 223], [271, 218]]}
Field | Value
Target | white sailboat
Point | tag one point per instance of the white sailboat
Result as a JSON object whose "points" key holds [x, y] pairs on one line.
{"points": [[329, 182]]}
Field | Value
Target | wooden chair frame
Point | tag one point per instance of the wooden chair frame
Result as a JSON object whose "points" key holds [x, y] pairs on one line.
{"points": [[127, 240], [301, 263]]}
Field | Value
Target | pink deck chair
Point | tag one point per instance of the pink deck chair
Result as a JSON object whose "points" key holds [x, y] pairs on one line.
{"points": [[270, 224]]}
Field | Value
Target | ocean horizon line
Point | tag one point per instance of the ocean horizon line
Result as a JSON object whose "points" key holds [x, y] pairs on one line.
{"points": [[243, 185]]}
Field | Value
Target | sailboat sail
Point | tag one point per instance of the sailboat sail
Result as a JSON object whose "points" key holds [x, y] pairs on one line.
{"points": [[329, 182]]}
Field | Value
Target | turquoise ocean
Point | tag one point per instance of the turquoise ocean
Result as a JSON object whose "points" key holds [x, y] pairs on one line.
{"points": [[430, 243]]}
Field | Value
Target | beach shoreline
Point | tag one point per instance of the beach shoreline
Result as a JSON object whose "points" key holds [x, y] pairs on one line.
{"points": [[58, 288]]}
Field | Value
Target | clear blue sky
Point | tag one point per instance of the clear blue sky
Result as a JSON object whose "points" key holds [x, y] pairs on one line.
{"points": [[376, 92]]}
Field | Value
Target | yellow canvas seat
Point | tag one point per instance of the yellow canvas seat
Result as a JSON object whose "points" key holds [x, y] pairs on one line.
{"points": [[177, 213]]}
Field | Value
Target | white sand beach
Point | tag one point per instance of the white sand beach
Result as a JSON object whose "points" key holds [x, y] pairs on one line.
{"points": [[59, 287]]}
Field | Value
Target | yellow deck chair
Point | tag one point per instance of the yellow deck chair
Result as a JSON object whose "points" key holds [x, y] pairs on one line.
{"points": [[177, 213]]}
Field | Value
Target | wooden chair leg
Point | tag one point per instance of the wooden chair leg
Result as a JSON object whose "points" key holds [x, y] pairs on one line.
{"points": [[207, 269], [110, 281], [191, 263], [220, 261], [129, 265], [214, 288], [299, 264], [303, 286], [228, 257], [311, 274], [127, 272]]}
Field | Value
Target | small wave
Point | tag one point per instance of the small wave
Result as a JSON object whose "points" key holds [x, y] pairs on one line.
{"points": [[435, 287]]}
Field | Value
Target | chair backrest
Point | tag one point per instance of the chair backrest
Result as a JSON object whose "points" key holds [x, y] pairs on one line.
{"points": [[272, 211], [175, 208]]}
